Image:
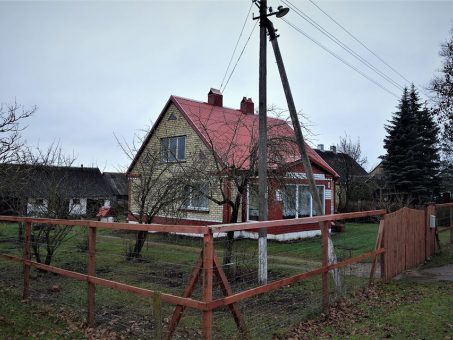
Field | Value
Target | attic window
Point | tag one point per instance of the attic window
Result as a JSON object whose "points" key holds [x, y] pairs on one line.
{"points": [[172, 116], [173, 149]]}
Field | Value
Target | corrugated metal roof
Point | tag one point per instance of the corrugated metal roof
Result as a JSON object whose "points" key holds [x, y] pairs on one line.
{"points": [[231, 133]]}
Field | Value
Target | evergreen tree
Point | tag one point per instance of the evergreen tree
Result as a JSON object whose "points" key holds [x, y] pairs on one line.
{"points": [[411, 165]]}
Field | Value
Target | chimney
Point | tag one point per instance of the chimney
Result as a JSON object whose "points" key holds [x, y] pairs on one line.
{"points": [[321, 147], [215, 97], [333, 148], [247, 106]]}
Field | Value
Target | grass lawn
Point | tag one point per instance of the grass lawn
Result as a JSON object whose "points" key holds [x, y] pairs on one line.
{"points": [[165, 266], [19, 320]]}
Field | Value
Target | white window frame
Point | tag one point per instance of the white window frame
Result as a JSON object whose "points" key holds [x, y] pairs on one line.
{"points": [[323, 199], [165, 152], [190, 199]]}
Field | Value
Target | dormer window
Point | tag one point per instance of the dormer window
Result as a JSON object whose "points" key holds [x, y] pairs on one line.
{"points": [[173, 149]]}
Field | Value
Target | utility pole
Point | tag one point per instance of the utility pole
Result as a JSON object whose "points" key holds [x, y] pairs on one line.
{"points": [[294, 118], [328, 250], [329, 255], [262, 146]]}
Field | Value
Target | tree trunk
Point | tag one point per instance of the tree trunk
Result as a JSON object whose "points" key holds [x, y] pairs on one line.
{"points": [[139, 243], [228, 252]]}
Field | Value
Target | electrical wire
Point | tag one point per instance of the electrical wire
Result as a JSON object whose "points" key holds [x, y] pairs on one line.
{"points": [[340, 58], [236, 46], [367, 48], [343, 45], [239, 58], [360, 42]]}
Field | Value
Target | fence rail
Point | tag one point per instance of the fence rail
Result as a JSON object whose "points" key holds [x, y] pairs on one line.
{"points": [[211, 272]]}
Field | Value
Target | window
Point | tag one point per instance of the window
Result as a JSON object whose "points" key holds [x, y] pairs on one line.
{"points": [[196, 197], [297, 201], [173, 149]]}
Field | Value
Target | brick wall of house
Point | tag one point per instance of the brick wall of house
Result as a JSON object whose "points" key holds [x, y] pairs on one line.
{"points": [[194, 145]]}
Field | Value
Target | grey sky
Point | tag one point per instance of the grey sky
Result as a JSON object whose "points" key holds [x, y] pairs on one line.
{"points": [[95, 68]]}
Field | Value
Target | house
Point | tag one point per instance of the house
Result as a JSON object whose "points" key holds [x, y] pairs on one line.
{"points": [[117, 182], [55, 191], [207, 135], [352, 178]]}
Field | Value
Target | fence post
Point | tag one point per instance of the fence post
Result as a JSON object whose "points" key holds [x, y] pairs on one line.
{"points": [[325, 264], [430, 233], [27, 257], [91, 271], [451, 224], [157, 315], [208, 258]]}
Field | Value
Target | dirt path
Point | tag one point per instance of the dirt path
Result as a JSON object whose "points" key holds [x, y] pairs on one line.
{"points": [[443, 273]]}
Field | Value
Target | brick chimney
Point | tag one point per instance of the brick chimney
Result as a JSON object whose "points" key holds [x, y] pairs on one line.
{"points": [[321, 147], [215, 97], [247, 106], [333, 148]]}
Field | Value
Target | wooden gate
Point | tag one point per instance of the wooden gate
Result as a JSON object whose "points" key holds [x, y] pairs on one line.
{"points": [[407, 240]]}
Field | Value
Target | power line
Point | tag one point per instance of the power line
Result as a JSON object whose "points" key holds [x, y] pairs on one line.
{"points": [[360, 42], [343, 45], [239, 58], [340, 58], [236, 46]]}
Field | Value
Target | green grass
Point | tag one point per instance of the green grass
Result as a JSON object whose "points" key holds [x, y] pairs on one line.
{"points": [[399, 310], [166, 263], [19, 320]]}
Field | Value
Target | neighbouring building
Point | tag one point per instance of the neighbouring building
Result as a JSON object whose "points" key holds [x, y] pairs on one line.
{"points": [[189, 132], [349, 188], [53, 191]]}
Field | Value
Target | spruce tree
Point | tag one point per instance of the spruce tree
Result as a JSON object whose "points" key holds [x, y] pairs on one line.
{"points": [[411, 164]]}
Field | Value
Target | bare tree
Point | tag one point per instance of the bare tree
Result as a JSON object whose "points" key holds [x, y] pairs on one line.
{"points": [[48, 187], [12, 117], [228, 166], [155, 189], [349, 163]]}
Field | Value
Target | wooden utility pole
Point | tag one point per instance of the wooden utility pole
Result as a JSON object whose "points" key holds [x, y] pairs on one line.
{"points": [[262, 147], [294, 118], [329, 255]]}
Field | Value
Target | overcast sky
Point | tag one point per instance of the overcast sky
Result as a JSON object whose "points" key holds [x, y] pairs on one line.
{"points": [[105, 67]]}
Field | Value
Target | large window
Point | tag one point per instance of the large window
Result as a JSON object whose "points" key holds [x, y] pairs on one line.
{"points": [[297, 201], [173, 149], [196, 197]]}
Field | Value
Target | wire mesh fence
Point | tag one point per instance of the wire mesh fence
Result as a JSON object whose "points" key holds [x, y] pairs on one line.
{"points": [[169, 262]]}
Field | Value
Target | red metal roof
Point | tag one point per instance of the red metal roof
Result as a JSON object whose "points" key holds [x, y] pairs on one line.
{"points": [[231, 133]]}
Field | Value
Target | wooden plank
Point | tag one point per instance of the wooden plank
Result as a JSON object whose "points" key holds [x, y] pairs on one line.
{"points": [[443, 205], [451, 225], [111, 225], [227, 291], [377, 245], [179, 309], [208, 260], [325, 264], [296, 221], [157, 316], [286, 281], [169, 298], [91, 270], [27, 256]]}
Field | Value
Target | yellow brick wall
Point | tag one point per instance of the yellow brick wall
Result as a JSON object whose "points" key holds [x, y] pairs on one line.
{"points": [[180, 127]]}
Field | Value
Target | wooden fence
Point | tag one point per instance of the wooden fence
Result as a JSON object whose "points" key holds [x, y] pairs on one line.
{"points": [[411, 237], [207, 267], [405, 239]]}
